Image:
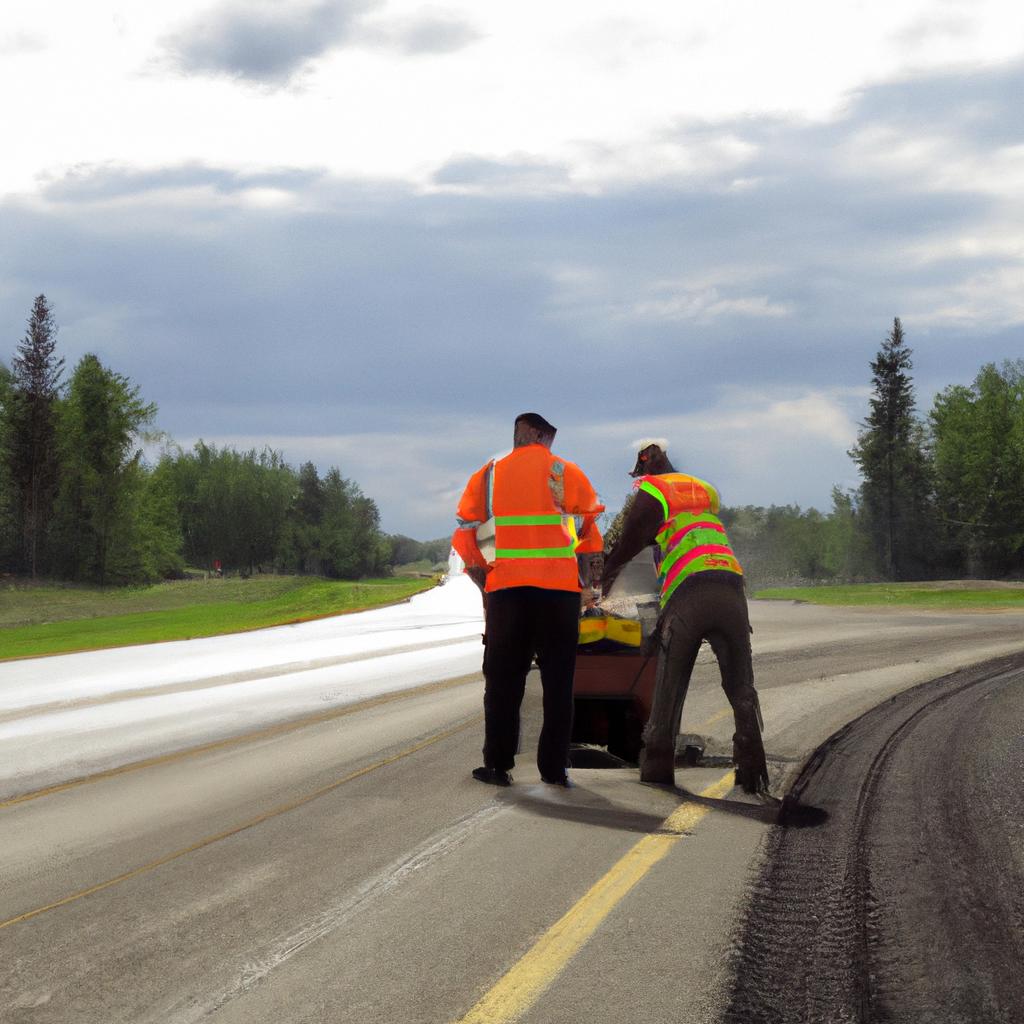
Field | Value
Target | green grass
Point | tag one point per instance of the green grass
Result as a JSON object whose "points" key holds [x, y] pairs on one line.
{"points": [[958, 594], [52, 619]]}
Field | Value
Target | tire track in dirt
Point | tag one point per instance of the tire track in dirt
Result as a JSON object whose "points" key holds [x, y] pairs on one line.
{"points": [[893, 889]]}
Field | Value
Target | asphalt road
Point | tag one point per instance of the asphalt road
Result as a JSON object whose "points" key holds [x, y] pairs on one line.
{"points": [[349, 869], [895, 889]]}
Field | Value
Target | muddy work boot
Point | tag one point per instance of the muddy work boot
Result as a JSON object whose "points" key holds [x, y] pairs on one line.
{"points": [[658, 766], [751, 766]]}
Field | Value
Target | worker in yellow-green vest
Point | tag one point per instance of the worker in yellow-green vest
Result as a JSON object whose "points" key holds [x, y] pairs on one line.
{"points": [[702, 598], [528, 535]]}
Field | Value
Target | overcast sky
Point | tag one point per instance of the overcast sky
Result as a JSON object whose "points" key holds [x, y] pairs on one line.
{"points": [[368, 233]]}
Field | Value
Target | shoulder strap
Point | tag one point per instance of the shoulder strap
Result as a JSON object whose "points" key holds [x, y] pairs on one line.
{"points": [[654, 491]]}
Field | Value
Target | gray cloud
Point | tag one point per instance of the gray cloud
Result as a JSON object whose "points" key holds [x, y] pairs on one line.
{"points": [[978, 107], [427, 34], [262, 41], [523, 175], [91, 184], [365, 312]]}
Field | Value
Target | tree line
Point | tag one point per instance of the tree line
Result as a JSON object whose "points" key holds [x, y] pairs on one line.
{"points": [[942, 495], [79, 502]]}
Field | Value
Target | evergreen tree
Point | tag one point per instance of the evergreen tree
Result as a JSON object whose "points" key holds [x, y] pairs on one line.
{"points": [[29, 432], [9, 542], [891, 455]]}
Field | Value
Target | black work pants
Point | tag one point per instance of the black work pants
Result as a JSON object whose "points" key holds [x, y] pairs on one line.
{"points": [[708, 606], [523, 622]]}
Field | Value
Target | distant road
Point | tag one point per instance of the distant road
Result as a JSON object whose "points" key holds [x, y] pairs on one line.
{"points": [[309, 859]]}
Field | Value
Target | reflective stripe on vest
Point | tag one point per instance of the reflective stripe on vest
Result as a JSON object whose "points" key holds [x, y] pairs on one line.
{"points": [[567, 523], [692, 539], [654, 492], [693, 544]]}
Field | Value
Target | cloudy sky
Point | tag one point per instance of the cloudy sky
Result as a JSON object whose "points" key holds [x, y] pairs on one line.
{"points": [[369, 232]]}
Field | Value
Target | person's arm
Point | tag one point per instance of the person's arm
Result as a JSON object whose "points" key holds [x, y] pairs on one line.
{"points": [[581, 499], [638, 532], [472, 511]]}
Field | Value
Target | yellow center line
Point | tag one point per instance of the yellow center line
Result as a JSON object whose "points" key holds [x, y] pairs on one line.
{"points": [[724, 713], [520, 988], [250, 823], [269, 732]]}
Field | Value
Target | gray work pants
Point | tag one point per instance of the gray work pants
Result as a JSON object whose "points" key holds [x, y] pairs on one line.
{"points": [[708, 606]]}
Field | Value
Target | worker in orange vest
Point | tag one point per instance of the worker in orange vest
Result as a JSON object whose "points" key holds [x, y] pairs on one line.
{"points": [[702, 597], [529, 538]]}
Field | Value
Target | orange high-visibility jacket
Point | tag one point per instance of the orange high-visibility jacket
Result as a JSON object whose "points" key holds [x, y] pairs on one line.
{"points": [[533, 497]]}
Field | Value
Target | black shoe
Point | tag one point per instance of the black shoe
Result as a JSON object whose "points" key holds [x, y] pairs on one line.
{"points": [[492, 776], [564, 781]]}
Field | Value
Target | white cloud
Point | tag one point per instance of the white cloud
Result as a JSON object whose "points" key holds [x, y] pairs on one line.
{"points": [[594, 86], [15, 44], [758, 446], [987, 300], [425, 32]]}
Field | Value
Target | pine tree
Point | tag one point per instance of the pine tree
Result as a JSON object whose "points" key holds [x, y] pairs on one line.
{"points": [[30, 430], [891, 455]]}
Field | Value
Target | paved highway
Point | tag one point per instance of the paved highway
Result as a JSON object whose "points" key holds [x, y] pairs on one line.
{"points": [[334, 861]]}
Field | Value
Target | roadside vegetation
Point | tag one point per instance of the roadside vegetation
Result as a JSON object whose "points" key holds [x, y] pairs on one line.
{"points": [[49, 619], [953, 594], [80, 501], [941, 498]]}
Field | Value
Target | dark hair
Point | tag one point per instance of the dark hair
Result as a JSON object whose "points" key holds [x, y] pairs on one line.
{"points": [[535, 420]]}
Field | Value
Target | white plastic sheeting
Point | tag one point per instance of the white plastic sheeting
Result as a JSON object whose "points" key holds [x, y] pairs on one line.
{"points": [[68, 715]]}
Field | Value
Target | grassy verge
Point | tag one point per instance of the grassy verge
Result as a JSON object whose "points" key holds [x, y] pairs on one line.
{"points": [[54, 619], [959, 594]]}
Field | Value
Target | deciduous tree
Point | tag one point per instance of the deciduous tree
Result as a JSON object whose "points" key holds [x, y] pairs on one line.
{"points": [[979, 468], [99, 506]]}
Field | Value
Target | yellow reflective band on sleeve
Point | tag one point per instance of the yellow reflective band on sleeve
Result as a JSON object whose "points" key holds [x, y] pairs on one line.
{"points": [[570, 524]]}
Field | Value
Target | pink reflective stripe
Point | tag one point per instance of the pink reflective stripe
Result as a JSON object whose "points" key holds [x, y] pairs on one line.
{"points": [[700, 525], [704, 549]]}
